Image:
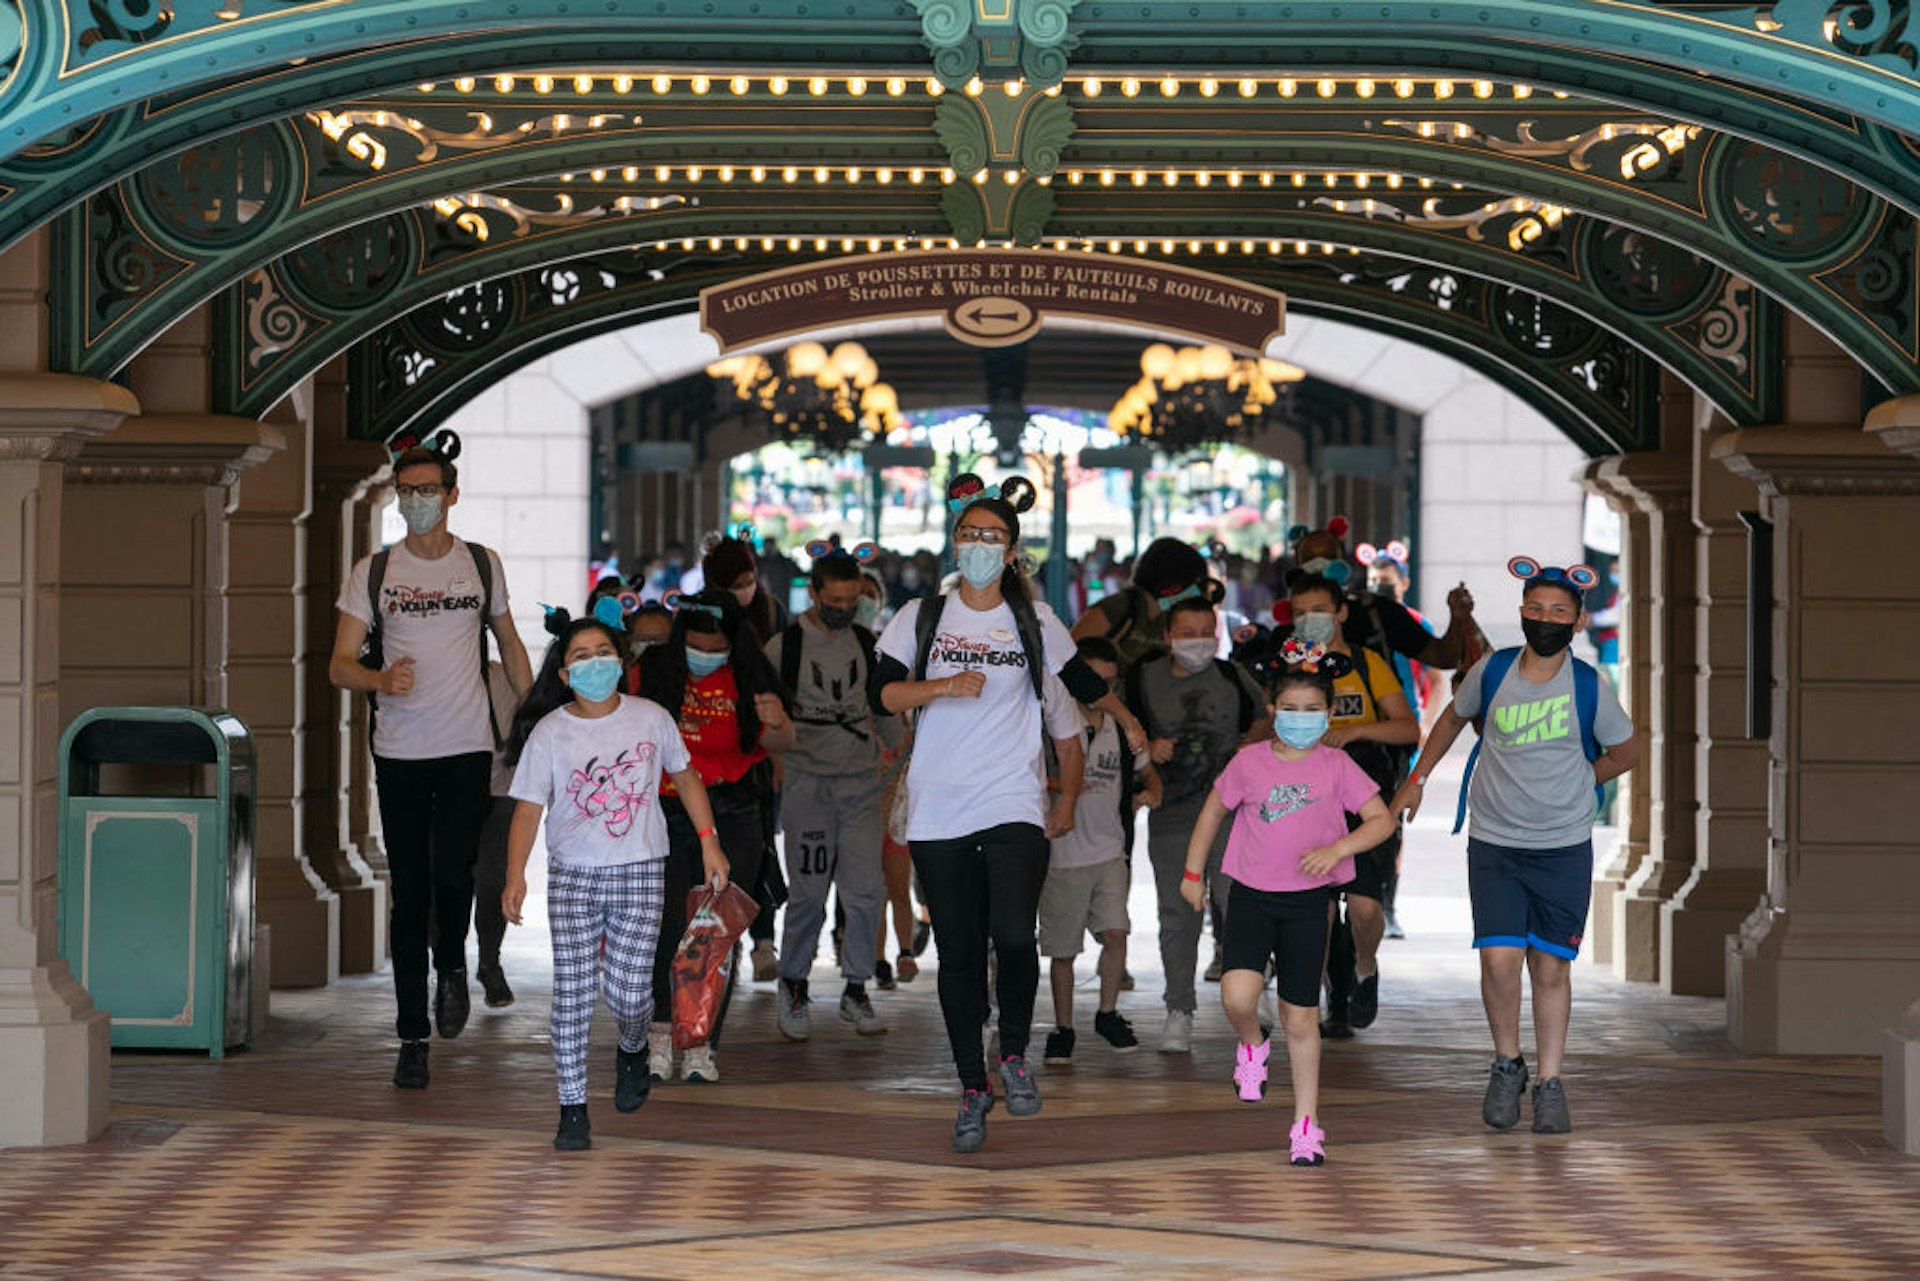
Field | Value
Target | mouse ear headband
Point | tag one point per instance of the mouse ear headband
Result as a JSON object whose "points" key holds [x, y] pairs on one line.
{"points": [[1210, 590], [1395, 551], [1317, 659], [864, 552], [557, 621], [442, 442], [1581, 578], [967, 489]]}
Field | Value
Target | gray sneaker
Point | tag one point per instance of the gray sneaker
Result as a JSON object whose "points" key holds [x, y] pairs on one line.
{"points": [[1550, 1114], [857, 1009], [1023, 1096], [792, 1013], [1505, 1085], [970, 1127]]}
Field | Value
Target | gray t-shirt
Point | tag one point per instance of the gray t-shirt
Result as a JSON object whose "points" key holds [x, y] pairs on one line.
{"points": [[835, 731], [1201, 713], [1533, 785]]}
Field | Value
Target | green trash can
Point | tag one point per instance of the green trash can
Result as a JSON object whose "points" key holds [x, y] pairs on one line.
{"points": [[156, 872]]}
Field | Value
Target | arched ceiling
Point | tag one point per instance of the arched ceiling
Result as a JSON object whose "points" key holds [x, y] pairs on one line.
{"points": [[1570, 195]]}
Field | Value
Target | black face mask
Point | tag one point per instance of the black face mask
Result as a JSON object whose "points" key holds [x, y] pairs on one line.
{"points": [[835, 617], [1544, 638]]}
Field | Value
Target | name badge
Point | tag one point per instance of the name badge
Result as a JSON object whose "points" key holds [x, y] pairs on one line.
{"points": [[1000, 634]]}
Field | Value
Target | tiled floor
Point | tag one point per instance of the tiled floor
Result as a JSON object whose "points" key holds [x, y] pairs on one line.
{"points": [[830, 1159]]}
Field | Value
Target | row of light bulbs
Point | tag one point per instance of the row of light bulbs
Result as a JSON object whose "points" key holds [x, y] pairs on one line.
{"points": [[1088, 86], [1065, 244], [823, 174]]}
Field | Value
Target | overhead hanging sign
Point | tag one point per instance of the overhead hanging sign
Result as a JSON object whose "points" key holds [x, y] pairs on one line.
{"points": [[993, 297]]}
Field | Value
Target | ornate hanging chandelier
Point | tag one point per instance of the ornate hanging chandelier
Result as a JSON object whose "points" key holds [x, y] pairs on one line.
{"points": [[1200, 395], [831, 399]]}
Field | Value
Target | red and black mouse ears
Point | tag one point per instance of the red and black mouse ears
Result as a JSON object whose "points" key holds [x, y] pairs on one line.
{"points": [[1394, 553], [1318, 659], [1339, 527], [1210, 590], [1327, 567], [865, 552], [1580, 579], [966, 489], [443, 442]]}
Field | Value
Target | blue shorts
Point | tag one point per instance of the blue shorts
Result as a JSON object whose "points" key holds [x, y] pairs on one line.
{"points": [[1530, 898]]}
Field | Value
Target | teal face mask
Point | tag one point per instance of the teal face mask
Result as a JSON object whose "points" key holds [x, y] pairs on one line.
{"points": [[701, 663], [1300, 730], [867, 612], [420, 512], [594, 679], [981, 564]]}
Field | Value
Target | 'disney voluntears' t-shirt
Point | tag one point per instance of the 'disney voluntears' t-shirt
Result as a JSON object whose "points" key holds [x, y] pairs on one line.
{"points": [[979, 762], [598, 778], [430, 612]]}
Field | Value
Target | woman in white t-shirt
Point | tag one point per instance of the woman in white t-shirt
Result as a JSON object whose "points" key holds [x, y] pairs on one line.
{"points": [[592, 758], [977, 818]]}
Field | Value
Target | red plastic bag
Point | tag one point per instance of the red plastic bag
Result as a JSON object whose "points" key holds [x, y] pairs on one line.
{"points": [[715, 918]]}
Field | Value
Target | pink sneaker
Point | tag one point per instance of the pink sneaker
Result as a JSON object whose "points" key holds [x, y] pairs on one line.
{"points": [[1250, 1070], [1309, 1142]]}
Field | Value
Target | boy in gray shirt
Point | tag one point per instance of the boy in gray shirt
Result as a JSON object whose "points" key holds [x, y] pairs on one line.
{"points": [[1550, 733]]}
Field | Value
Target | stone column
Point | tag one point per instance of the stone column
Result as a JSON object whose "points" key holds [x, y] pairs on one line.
{"points": [[362, 813], [1831, 956], [1730, 770], [53, 1043], [268, 658]]}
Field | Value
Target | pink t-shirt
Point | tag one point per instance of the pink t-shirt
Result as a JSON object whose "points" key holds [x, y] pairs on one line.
{"points": [[1282, 809]]}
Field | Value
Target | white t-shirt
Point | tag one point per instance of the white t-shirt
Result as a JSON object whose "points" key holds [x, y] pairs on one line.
{"points": [[598, 778], [979, 762], [431, 614], [1097, 835]]}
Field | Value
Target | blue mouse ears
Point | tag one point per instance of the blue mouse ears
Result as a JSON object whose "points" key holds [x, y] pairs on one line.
{"points": [[865, 551], [1581, 578]]}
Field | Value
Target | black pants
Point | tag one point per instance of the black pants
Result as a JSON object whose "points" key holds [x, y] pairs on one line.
{"points": [[981, 888], [1370, 872], [490, 880], [430, 817], [738, 823]]}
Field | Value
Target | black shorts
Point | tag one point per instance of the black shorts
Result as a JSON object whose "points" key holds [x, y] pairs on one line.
{"points": [[1372, 869], [1288, 926]]}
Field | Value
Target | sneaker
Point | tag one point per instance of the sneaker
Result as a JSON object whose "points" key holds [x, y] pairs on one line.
{"points": [[792, 1010], [1059, 1051], [1126, 980], [970, 1127], [410, 1073], [493, 981], [1308, 1141], [1550, 1114], [1176, 1034], [1117, 1031], [922, 935], [1505, 1084], [660, 1052], [1336, 1030], [574, 1134], [883, 976], [906, 969], [1363, 1007], [1269, 1011], [1215, 969], [1393, 926], [857, 1009], [631, 1081], [697, 1064], [451, 1005], [1250, 1070], [766, 962], [1023, 1096]]}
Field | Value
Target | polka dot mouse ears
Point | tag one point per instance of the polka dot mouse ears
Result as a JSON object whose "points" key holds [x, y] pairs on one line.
{"points": [[443, 442], [1395, 553], [967, 489], [865, 552], [1317, 659], [1580, 578]]}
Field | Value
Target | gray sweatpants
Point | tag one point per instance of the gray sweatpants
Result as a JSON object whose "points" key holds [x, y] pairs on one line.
{"points": [[833, 825], [1168, 830]]}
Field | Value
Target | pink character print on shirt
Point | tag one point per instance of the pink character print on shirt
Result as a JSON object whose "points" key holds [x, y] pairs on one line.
{"points": [[615, 792]]}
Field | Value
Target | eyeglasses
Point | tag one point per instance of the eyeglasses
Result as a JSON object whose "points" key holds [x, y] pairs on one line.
{"points": [[424, 491], [978, 534]]}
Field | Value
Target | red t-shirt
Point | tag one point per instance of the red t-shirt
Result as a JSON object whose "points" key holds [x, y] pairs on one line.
{"points": [[710, 725]]}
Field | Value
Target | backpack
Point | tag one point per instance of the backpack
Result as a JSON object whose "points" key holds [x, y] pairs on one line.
{"points": [[1586, 704], [1390, 762], [792, 638], [1024, 620], [373, 649], [1135, 698]]}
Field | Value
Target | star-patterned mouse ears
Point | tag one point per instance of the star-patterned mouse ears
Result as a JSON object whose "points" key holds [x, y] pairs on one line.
{"points": [[1395, 551], [1317, 659], [1581, 578], [865, 552], [443, 442], [967, 489]]}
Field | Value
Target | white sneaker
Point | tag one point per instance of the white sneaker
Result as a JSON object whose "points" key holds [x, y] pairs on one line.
{"points": [[766, 962], [697, 1064], [859, 1011], [660, 1052], [1269, 1013], [793, 1013], [1176, 1034]]}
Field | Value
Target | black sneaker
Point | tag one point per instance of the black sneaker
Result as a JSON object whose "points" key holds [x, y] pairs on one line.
{"points": [[1336, 1030], [1059, 1051], [451, 1005], [883, 976], [1550, 1115], [410, 1073], [574, 1134], [970, 1127], [493, 981], [1363, 1007], [922, 935], [1505, 1084], [631, 1082], [1117, 1031]]}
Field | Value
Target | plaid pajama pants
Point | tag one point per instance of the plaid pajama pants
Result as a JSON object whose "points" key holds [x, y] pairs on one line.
{"points": [[624, 905]]}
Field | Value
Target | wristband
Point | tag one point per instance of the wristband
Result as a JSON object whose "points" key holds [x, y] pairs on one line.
{"points": [[1416, 780], [1185, 875], [703, 833]]}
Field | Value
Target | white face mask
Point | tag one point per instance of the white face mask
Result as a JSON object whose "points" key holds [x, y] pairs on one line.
{"points": [[1193, 653], [420, 512], [1315, 629]]}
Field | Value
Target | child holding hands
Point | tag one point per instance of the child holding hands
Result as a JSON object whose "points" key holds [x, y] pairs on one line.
{"points": [[1289, 845]]}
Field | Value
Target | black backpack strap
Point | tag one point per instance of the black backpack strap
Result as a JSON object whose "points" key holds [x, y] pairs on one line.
{"points": [[373, 648], [483, 565], [1231, 674], [868, 652], [1027, 623], [1133, 693], [925, 623], [790, 642]]}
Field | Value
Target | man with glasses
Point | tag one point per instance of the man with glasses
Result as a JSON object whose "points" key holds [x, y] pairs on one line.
{"points": [[412, 633]]}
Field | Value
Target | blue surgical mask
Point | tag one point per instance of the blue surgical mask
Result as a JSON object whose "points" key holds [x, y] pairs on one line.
{"points": [[1300, 730], [420, 512], [702, 663], [593, 680], [981, 563], [867, 612], [1315, 629]]}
